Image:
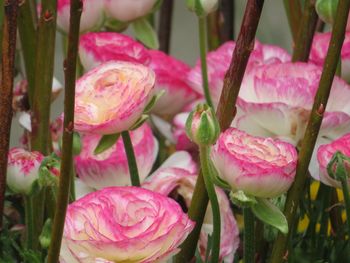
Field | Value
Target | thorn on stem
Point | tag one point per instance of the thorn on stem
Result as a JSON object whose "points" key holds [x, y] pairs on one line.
{"points": [[48, 15], [320, 110], [69, 127]]}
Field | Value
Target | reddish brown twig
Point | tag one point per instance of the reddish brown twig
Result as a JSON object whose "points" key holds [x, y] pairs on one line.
{"points": [[7, 71], [165, 19]]}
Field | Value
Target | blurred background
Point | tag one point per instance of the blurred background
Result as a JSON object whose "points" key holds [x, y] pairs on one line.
{"points": [[273, 29]]}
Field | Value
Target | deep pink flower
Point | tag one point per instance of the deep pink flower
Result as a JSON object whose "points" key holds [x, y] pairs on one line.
{"points": [[219, 61], [99, 47], [111, 97], [123, 224], [171, 76], [261, 167], [319, 51], [110, 168], [324, 155], [176, 179], [91, 17], [22, 169]]}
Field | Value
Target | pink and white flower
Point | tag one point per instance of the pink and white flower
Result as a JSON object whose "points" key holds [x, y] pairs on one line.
{"points": [[22, 170], [219, 61], [276, 100], [261, 167], [126, 10], [110, 168], [91, 17], [171, 76], [96, 48], [111, 98], [324, 155], [123, 224], [319, 51], [176, 179]]}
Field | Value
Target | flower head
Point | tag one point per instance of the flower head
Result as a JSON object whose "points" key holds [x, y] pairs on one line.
{"points": [[99, 47], [22, 170], [110, 168], [111, 98], [324, 155], [123, 224], [260, 167], [171, 76]]}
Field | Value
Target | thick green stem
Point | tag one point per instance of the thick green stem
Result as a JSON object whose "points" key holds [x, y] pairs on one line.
{"points": [[129, 150], [249, 242], [203, 55], [313, 127], [29, 221], [27, 34], [67, 141], [206, 170], [345, 187], [293, 10], [306, 32], [8, 51]]}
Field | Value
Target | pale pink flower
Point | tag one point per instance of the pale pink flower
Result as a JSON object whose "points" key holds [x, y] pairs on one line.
{"points": [[91, 17], [123, 224], [171, 76], [324, 155], [219, 61], [276, 100], [111, 97], [110, 168], [22, 169], [99, 47], [177, 180], [319, 51], [126, 10], [261, 167]]}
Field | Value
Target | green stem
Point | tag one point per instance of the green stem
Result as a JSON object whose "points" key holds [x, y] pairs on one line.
{"points": [[249, 243], [68, 124], [29, 221], [205, 165], [72, 183], [129, 150], [345, 187], [8, 51], [293, 10], [27, 34], [306, 32], [203, 54], [213, 29], [312, 130]]}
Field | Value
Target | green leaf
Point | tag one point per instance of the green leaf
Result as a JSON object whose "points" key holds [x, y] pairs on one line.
{"points": [[145, 33], [106, 142], [270, 214], [139, 122], [153, 101]]}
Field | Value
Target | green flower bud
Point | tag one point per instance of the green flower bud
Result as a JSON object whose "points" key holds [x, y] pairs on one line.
{"points": [[202, 7], [339, 166], [202, 127], [326, 10]]}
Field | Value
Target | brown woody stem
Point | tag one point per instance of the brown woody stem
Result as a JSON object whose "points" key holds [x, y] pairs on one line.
{"points": [[8, 50], [313, 127], [294, 12], [70, 65], [227, 14], [165, 19]]}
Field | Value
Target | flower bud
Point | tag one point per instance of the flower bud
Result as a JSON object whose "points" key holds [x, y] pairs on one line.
{"points": [[202, 127], [22, 170], [326, 10], [202, 7]]}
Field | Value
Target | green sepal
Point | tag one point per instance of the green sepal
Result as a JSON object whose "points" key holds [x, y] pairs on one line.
{"points": [[116, 25], [153, 101], [106, 142], [46, 178], [215, 178], [239, 198], [338, 162], [145, 33], [270, 214], [45, 236], [139, 122]]}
